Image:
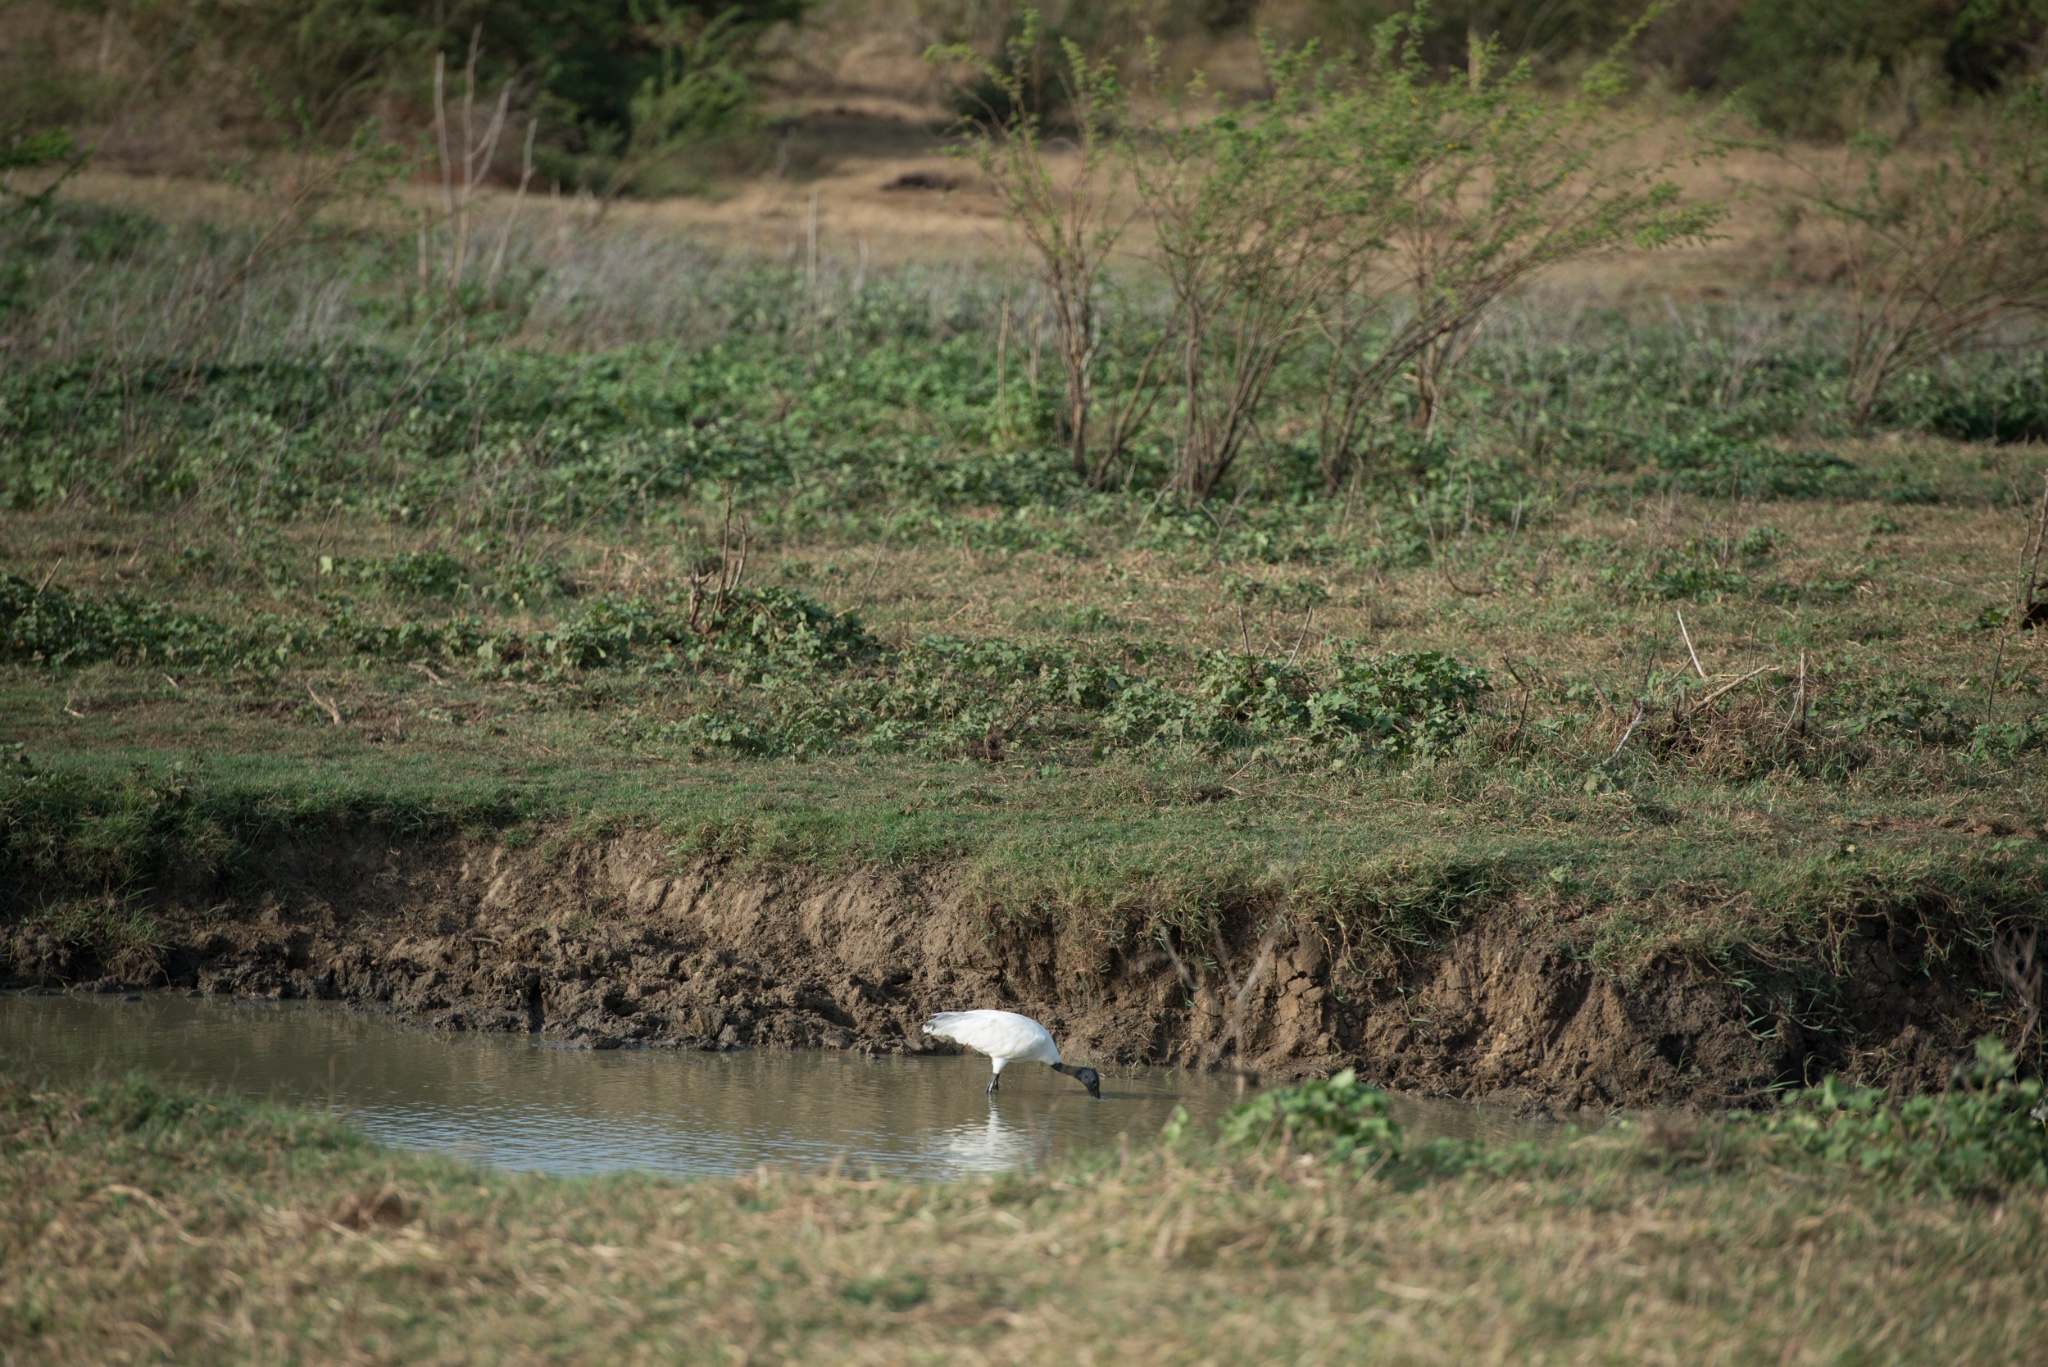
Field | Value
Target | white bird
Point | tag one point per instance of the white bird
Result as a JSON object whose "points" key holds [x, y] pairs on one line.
{"points": [[1006, 1038]]}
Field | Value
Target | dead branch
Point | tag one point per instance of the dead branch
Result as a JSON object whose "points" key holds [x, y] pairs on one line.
{"points": [[1798, 711], [324, 704]]}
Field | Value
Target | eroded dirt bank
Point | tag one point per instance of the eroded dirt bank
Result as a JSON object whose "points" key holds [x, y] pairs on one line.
{"points": [[606, 944]]}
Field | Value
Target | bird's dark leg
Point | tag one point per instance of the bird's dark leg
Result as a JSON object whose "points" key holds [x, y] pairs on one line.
{"points": [[994, 1083]]}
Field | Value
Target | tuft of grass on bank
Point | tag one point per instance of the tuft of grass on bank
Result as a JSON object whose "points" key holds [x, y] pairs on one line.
{"points": [[145, 1223]]}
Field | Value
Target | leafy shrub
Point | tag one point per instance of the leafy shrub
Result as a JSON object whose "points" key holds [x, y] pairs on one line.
{"points": [[765, 629], [720, 730], [2004, 742], [1340, 1116], [429, 573], [1402, 702], [1699, 583], [1760, 543], [50, 625], [1999, 401], [1988, 1132], [605, 632], [1888, 707], [753, 632], [1147, 712], [1253, 696]]}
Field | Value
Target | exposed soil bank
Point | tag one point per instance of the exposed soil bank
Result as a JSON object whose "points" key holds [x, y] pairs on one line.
{"points": [[603, 944]]}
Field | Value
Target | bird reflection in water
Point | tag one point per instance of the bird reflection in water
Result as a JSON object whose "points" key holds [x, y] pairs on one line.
{"points": [[994, 1145]]}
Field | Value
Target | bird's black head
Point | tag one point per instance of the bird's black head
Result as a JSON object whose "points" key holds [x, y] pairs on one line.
{"points": [[1092, 1080]]}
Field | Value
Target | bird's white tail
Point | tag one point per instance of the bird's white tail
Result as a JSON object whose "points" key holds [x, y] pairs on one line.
{"points": [[945, 1023]]}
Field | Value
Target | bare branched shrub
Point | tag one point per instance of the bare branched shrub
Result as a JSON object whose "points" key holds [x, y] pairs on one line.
{"points": [[1494, 182], [1379, 208], [1263, 217], [1945, 253], [464, 168], [1071, 221]]}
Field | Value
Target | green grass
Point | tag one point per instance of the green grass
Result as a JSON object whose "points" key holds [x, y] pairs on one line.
{"points": [[144, 1224]]}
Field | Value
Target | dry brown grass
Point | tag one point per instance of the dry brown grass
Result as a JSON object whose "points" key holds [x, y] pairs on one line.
{"points": [[227, 1236], [838, 173]]}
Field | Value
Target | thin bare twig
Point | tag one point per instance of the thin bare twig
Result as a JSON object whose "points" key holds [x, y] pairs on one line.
{"points": [[1688, 645], [1443, 564], [1233, 1030], [1633, 722], [874, 568], [1798, 711], [1707, 699], [2013, 957], [1187, 979], [2033, 577], [518, 200], [1307, 618]]}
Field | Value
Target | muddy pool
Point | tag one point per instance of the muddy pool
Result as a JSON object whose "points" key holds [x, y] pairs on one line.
{"points": [[514, 1103]]}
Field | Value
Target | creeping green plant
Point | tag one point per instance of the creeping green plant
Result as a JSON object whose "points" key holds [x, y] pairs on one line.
{"points": [[1340, 1115], [1988, 1132]]}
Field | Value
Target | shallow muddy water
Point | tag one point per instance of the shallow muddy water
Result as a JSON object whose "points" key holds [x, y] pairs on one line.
{"points": [[508, 1101]]}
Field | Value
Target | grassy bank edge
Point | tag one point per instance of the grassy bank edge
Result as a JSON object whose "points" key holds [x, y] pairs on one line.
{"points": [[96, 856]]}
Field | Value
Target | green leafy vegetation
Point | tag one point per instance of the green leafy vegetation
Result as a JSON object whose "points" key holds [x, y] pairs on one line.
{"points": [[802, 583], [1985, 1136], [1988, 1133], [1339, 1115]]}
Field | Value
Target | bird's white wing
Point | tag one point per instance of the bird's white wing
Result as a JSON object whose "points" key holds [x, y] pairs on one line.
{"points": [[999, 1034]]}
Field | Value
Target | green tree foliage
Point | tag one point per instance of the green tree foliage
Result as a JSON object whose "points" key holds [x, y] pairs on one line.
{"points": [[614, 77], [1801, 62]]}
